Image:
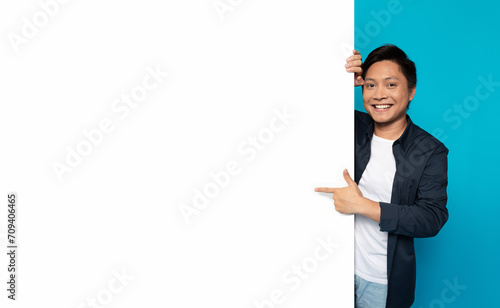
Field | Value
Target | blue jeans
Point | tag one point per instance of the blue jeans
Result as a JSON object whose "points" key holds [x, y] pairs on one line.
{"points": [[369, 294]]}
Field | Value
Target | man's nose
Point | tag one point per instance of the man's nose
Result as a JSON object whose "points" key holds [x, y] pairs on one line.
{"points": [[380, 93]]}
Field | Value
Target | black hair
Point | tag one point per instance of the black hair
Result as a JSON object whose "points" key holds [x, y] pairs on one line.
{"points": [[393, 53]]}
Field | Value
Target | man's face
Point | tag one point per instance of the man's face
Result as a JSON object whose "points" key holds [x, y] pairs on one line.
{"points": [[385, 92]]}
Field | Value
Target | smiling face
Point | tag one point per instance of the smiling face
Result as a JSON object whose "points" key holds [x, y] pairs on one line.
{"points": [[386, 95]]}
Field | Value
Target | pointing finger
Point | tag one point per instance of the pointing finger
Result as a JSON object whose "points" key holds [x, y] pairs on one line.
{"points": [[325, 189]]}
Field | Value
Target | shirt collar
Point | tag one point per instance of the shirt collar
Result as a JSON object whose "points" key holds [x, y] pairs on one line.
{"points": [[405, 137]]}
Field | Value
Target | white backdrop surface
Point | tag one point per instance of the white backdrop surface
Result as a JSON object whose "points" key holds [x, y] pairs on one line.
{"points": [[164, 153]]}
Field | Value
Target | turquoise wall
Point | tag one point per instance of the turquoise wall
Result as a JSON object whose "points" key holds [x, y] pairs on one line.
{"points": [[455, 46]]}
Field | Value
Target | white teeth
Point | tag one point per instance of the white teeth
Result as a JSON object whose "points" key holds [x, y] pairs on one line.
{"points": [[382, 106]]}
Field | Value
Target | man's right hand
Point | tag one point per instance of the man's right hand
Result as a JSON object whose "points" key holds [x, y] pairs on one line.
{"points": [[353, 65]]}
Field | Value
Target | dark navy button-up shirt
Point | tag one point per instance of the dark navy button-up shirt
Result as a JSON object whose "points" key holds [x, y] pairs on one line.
{"points": [[418, 200]]}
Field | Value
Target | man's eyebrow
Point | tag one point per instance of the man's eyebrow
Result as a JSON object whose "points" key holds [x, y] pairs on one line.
{"points": [[392, 77]]}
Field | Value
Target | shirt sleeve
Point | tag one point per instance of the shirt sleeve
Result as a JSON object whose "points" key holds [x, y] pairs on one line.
{"points": [[428, 214]]}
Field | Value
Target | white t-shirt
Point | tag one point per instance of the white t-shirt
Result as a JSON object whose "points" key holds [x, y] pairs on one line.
{"points": [[375, 184]]}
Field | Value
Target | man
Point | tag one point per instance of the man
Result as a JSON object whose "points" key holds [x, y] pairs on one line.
{"points": [[399, 187]]}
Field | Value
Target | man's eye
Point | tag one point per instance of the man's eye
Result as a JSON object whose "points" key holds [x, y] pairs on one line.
{"points": [[369, 85], [392, 85]]}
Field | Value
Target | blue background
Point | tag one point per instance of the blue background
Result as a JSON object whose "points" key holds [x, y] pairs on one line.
{"points": [[453, 44]]}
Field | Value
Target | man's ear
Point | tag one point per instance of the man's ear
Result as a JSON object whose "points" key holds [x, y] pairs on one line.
{"points": [[412, 93]]}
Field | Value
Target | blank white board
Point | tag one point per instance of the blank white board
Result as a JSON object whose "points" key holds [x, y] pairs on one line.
{"points": [[164, 153]]}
